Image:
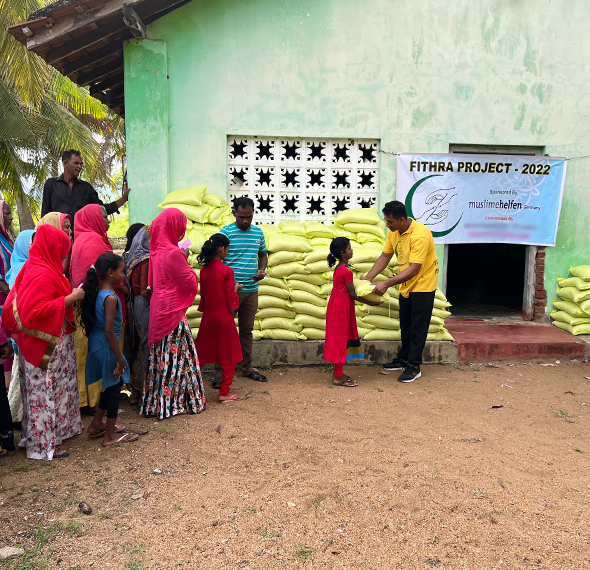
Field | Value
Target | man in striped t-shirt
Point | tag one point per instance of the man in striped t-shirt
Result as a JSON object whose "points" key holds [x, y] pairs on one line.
{"points": [[248, 258]]}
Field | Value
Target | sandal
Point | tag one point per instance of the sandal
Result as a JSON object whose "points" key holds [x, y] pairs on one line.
{"points": [[256, 375], [59, 454], [125, 438], [118, 429], [216, 382], [347, 383], [3, 452], [7, 440], [232, 398]]}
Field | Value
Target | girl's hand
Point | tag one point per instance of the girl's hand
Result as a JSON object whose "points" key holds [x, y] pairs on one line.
{"points": [[119, 370], [238, 287], [372, 303]]}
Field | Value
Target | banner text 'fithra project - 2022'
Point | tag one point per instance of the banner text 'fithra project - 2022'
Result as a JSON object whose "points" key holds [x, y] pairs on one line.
{"points": [[483, 198]]}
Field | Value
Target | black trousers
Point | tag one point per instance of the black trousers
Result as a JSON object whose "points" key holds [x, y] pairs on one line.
{"points": [[414, 318], [109, 400]]}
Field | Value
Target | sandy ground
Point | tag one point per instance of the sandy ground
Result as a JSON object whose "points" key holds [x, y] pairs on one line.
{"points": [[470, 467]]}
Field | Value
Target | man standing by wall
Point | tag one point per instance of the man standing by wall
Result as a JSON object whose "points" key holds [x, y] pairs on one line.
{"points": [[248, 258], [68, 194], [413, 244]]}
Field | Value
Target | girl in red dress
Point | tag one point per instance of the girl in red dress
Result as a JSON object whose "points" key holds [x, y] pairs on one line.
{"points": [[218, 341], [342, 338]]}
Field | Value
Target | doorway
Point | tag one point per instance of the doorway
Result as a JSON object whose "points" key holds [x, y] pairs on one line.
{"points": [[486, 280]]}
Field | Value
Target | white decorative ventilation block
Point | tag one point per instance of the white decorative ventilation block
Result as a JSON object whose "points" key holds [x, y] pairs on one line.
{"points": [[303, 179]]}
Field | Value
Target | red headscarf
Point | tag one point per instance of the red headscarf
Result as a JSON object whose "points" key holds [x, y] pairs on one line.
{"points": [[90, 241], [35, 307], [173, 281]]}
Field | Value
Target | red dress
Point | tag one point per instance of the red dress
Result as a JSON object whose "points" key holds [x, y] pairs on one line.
{"points": [[218, 341], [342, 337]]}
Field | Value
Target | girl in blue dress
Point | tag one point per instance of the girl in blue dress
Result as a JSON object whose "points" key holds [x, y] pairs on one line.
{"points": [[102, 318]]}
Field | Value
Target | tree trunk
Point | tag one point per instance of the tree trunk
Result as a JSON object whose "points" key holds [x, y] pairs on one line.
{"points": [[24, 215]]}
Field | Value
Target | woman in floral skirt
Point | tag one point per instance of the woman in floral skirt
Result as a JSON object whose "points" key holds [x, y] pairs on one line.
{"points": [[174, 384]]}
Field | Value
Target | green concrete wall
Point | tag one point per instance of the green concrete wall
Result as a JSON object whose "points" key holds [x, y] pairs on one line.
{"points": [[416, 75]]}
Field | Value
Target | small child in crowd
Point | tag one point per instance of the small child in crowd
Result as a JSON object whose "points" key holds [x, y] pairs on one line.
{"points": [[342, 340], [218, 341], [102, 318]]}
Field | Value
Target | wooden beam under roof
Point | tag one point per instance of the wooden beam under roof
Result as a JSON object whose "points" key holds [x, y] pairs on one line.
{"points": [[111, 95], [107, 83], [91, 57], [100, 72]]}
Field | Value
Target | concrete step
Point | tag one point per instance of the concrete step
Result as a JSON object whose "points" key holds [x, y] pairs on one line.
{"points": [[481, 341]]}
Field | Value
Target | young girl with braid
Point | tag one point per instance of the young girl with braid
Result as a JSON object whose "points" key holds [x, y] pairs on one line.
{"points": [[218, 341]]}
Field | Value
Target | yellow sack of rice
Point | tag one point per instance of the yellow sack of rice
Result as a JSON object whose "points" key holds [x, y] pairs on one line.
{"points": [[387, 311], [320, 241], [575, 330], [284, 242], [189, 225], [194, 333], [581, 271], [207, 229], [279, 257], [357, 229], [192, 260], [194, 323], [192, 196], [318, 279], [326, 290], [572, 294], [198, 214], [366, 254], [273, 291], [300, 285], [309, 321], [270, 312], [584, 305], [308, 309], [193, 312], [341, 232], [381, 321], [382, 334], [570, 308], [214, 200], [257, 324], [273, 282], [226, 220], [293, 228], [363, 331], [318, 266], [279, 323], [436, 321], [442, 313], [364, 268], [279, 334], [441, 304], [216, 213], [197, 241], [438, 294], [286, 269], [257, 335], [318, 254], [314, 334], [364, 239], [267, 301], [365, 289], [443, 334], [564, 317], [305, 297], [358, 216], [576, 282], [315, 229]]}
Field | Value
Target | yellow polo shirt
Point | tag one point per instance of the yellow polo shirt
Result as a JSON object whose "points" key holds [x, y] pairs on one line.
{"points": [[415, 245]]}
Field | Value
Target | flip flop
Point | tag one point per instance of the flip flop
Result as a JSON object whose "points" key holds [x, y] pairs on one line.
{"points": [[257, 376], [59, 454], [350, 383], [232, 398], [118, 429], [125, 438], [138, 431]]}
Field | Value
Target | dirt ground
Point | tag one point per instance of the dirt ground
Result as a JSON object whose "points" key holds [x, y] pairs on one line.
{"points": [[470, 467]]}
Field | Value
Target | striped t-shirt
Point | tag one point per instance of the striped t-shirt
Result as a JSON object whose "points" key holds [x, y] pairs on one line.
{"points": [[243, 254]]}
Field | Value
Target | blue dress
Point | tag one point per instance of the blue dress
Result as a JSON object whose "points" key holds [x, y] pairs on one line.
{"points": [[101, 361]]}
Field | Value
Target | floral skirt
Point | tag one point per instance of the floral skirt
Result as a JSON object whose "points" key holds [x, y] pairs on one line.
{"points": [[51, 409], [173, 385]]}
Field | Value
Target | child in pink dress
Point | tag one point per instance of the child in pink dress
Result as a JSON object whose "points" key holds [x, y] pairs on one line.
{"points": [[342, 339]]}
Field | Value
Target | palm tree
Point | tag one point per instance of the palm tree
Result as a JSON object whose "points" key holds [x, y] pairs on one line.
{"points": [[42, 113]]}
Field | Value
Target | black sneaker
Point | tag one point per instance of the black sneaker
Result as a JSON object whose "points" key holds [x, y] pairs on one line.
{"points": [[395, 364], [410, 374]]}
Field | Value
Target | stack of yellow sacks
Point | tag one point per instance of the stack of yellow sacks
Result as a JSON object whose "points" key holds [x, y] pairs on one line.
{"points": [[572, 312], [293, 298]]}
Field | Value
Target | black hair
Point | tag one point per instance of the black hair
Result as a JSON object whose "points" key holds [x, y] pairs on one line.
{"points": [[131, 233], [210, 248], [395, 209], [337, 246], [67, 154], [105, 262], [243, 202]]}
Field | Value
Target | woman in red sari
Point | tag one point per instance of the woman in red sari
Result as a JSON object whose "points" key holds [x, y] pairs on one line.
{"points": [[173, 384], [218, 341], [43, 320]]}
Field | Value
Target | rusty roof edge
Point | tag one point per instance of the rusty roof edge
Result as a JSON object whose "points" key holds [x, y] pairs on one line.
{"points": [[49, 9]]}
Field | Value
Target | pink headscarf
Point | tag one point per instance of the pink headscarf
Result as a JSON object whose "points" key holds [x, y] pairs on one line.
{"points": [[90, 241], [173, 281]]}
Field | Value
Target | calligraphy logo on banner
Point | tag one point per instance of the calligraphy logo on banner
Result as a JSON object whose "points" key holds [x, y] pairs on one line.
{"points": [[483, 198]]}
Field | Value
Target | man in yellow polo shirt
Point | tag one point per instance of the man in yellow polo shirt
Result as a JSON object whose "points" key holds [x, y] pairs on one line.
{"points": [[412, 242]]}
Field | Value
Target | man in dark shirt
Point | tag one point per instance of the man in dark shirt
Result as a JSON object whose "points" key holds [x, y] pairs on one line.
{"points": [[68, 194]]}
